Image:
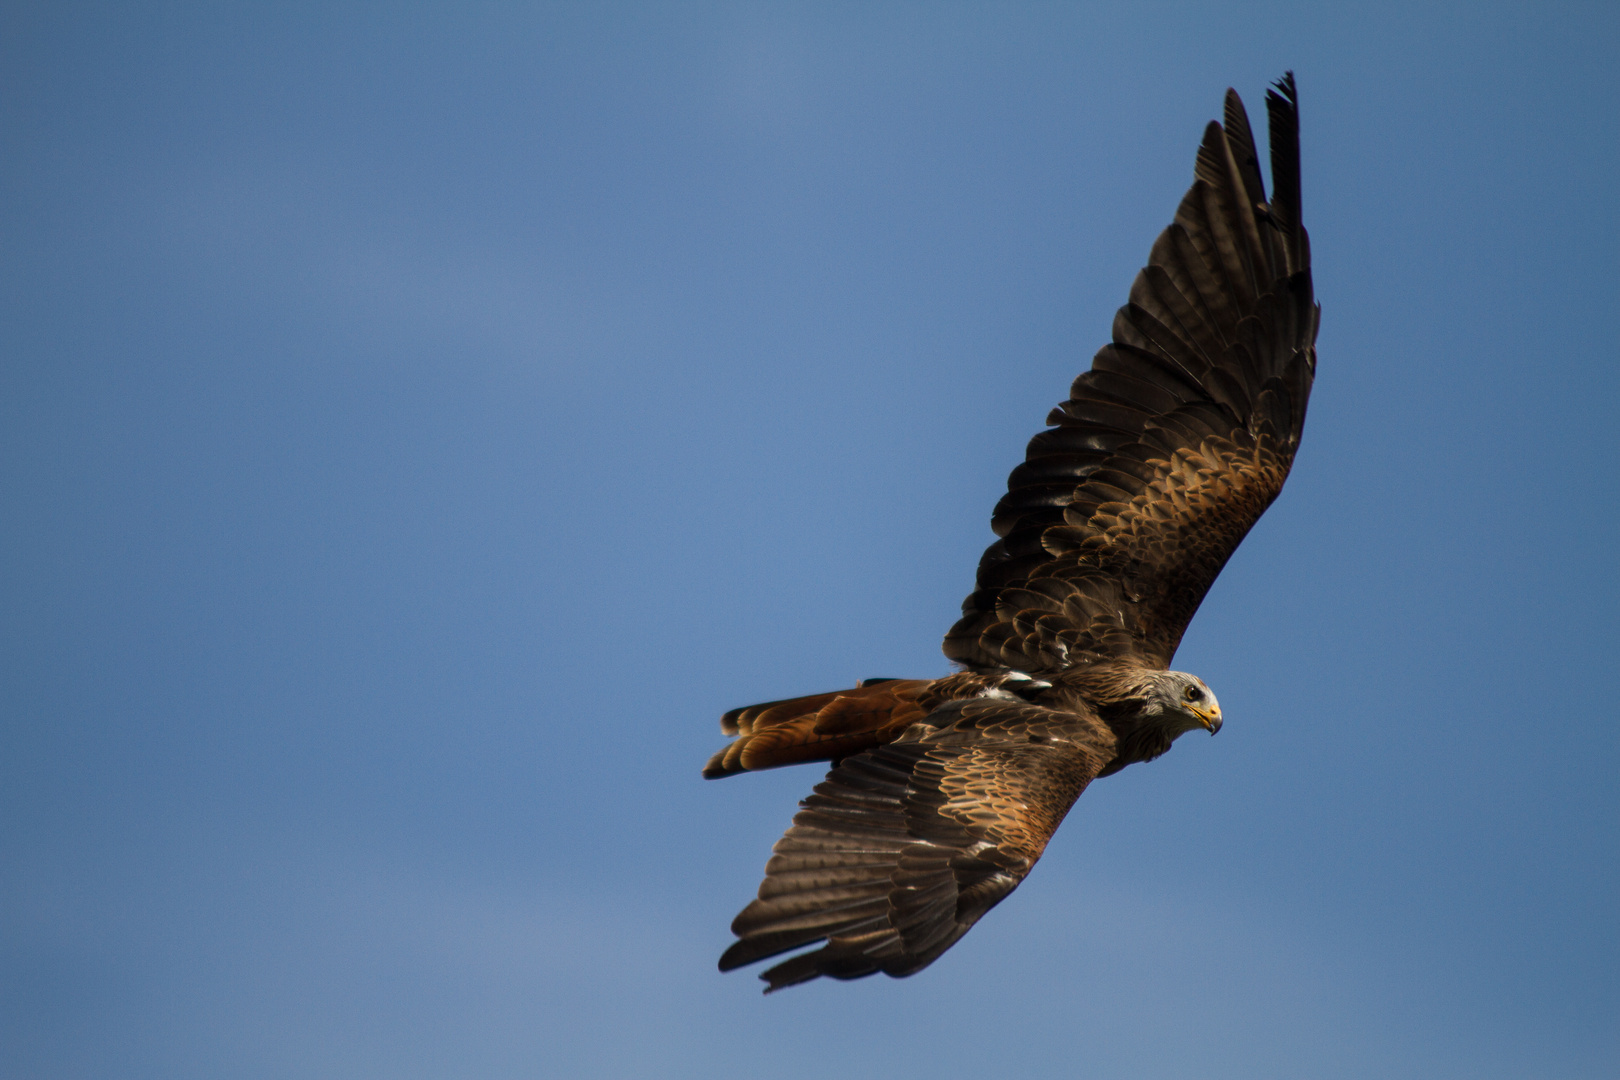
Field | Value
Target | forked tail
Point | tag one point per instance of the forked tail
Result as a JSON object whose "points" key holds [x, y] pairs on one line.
{"points": [[820, 727]]}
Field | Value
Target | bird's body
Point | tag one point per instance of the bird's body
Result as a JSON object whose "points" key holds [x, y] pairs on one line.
{"points": [[944, 792]]}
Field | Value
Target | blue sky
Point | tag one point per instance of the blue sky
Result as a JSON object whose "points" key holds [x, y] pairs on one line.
{"points": [[421, 423]]}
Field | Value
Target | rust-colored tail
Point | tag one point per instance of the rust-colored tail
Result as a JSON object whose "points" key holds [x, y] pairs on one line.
{"points": [[819, 727], [825, 727]]}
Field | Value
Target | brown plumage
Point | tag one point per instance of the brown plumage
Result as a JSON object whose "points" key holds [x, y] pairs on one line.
{"points": [[944, 792]]}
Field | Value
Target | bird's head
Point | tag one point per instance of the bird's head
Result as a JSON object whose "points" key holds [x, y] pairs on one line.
{"points": [[1183, 703]]}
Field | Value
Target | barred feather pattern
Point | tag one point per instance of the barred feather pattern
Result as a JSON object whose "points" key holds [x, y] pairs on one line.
{"points": [[904, 847]]}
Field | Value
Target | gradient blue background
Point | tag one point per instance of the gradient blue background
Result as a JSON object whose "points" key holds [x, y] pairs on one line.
{"points": [[421, 423]]}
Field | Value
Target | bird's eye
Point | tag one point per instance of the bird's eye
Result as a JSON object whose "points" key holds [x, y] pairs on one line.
{"points": [[1194, 694]]}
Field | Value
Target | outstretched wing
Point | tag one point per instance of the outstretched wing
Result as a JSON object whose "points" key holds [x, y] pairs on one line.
{"points": [[903, 848], [1178, 438]]}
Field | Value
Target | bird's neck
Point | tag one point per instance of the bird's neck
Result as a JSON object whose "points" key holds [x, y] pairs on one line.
{"points": [[1119, 692], [1117, 689]]}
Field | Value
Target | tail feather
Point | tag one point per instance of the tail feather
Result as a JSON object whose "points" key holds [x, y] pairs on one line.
{"points": [[820, 727], [843, 723]]}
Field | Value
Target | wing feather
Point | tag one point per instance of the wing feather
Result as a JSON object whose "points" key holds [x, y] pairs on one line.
{"points": [[904, 847], [1178, 438]]}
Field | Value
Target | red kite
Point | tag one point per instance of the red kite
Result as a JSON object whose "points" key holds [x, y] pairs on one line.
{"points": [[944, 792]]}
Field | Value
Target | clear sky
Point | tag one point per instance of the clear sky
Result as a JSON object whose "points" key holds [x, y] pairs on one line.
{"points": [[420, 423]]}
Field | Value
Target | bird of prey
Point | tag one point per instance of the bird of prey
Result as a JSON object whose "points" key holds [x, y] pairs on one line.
{"points": [[943, 793]]}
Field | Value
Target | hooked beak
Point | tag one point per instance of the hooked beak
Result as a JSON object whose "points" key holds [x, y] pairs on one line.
{"points": [[1210, 718]]}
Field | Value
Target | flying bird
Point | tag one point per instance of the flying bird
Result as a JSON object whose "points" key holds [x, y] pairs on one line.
{"points": [[943, 793]]}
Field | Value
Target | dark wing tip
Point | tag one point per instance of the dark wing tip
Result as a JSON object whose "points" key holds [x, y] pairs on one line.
{"points": [[1282, 107]]}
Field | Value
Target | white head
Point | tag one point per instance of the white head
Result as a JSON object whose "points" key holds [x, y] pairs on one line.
{"points": [[1184, 703]]}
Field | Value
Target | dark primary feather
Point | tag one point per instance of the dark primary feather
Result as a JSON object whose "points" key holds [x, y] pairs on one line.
{"points": [[1178, 438]]}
